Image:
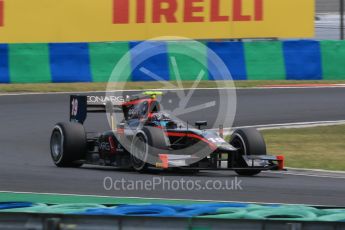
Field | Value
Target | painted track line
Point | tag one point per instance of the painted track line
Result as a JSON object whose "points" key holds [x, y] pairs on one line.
{"points": [[307, 124], [311, 174], [305, 86], [316, 170], [228, 130]]}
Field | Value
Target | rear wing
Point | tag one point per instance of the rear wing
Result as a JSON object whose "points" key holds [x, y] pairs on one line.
{"points": [[80, 106]]}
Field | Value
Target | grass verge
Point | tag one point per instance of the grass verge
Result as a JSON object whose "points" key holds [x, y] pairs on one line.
{"points": [[80, 87], [316, 148]]}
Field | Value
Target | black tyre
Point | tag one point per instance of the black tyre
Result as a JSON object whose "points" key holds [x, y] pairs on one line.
{"points": [[68, 144], [146, 146], [139, 152], [248, 142]]}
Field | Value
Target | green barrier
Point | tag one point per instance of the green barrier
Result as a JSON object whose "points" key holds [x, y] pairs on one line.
{"points": [[227, 213], [282, 213], [104, 57], [60, 208], [188, 68], [333, 217], [254, 207], [258, 60], [250, 211], [331, 211], [38, 207], [71, 208], [264, 60], [292, 207], [31, 61], [229, 210], [333, 54]]}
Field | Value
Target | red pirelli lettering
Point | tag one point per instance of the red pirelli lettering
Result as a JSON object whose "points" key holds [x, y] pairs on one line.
{"points": [[165, 8], [141, 7], [120, 11], [238, 14], [166, 11], [190, 8], [2, 10], [259, 10], [215, 14]]}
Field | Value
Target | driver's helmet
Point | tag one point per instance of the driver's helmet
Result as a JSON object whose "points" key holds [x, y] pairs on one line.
{"points": [[161, 119]]}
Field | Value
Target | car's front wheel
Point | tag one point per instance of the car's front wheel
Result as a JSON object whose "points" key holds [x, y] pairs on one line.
{"points": [[146, 146], [139, 152], [248, 142]]}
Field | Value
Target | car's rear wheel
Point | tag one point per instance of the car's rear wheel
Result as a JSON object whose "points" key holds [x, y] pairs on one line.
{"points": [[68, 144], [248, 142]]}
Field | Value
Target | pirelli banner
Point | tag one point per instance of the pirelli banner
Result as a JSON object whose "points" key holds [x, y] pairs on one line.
{"points": [[31, 21]]}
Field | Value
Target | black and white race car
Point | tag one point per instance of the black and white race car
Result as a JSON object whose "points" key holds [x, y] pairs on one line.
{"points": [[147, 138]]}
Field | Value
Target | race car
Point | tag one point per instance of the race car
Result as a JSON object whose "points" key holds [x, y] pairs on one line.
{"points": [[147, 138]]}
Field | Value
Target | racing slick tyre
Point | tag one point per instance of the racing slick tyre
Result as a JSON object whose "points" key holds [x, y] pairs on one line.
{"points": [[68, 144], [248, 142], [146, 143], [139, 152]]}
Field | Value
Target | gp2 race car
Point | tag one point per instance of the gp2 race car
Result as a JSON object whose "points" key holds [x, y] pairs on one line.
{"points": [[147, 138]]}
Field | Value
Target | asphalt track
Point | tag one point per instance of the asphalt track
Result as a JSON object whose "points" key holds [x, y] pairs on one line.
{"points": [[25, 164]]}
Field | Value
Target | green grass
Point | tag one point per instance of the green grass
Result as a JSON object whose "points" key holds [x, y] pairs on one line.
{"points": [[74, 87], [316, 148]]}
